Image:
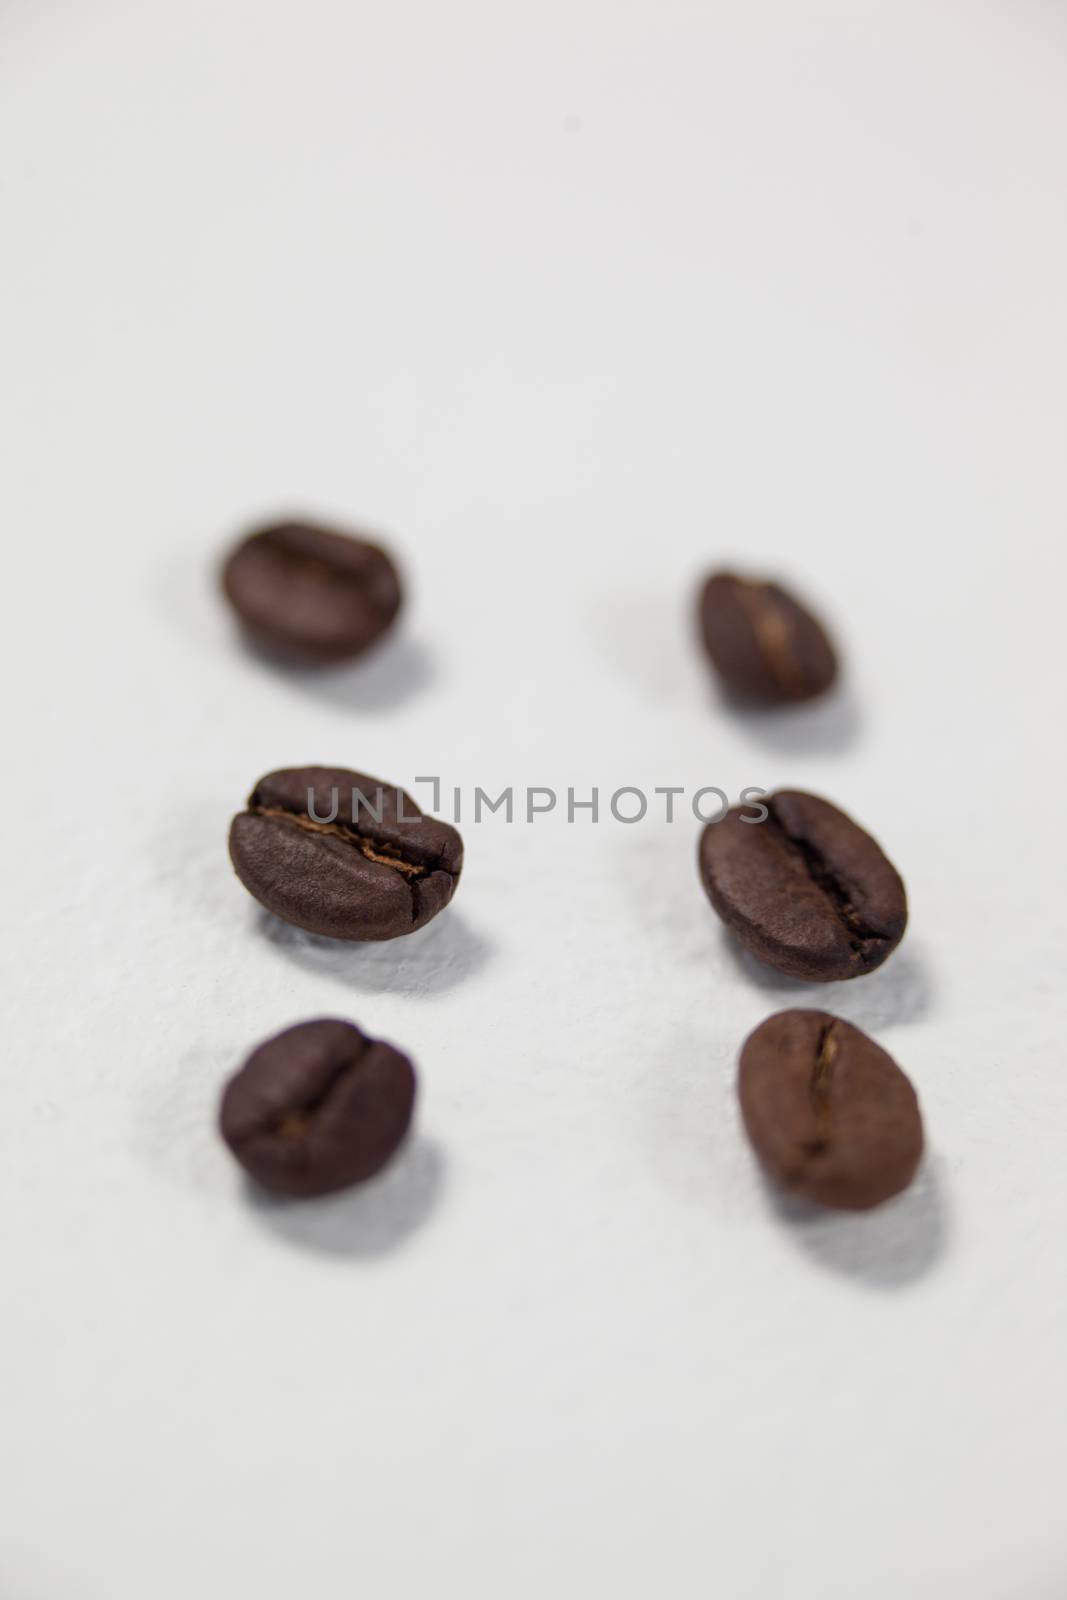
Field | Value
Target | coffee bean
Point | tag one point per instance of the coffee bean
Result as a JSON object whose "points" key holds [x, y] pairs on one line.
{"points": [[309, 594], [764, 644], [829, 1113], [805, 889], [317, 1108], [361, 862]]}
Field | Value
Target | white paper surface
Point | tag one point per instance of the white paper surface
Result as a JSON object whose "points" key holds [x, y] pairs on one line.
{"points": [[569, 302]]}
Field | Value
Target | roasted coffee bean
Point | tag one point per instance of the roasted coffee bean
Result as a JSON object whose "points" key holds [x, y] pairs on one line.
{"points": [[829, 1113], [359, 862], [805, 889], [764, 644], [317, 1108], [309, 594]]}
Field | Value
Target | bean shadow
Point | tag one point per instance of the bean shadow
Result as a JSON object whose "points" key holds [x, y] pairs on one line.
{"points": [[364, 1223], [900, 991], [827, 726], [445, 953], [390, 674], [890, 1247]]}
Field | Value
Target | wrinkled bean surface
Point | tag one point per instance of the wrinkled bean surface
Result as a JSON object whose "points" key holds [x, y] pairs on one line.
{"points": [[806, 890], [353, 876]]}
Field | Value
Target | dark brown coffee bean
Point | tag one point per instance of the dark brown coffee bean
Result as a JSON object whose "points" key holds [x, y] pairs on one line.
{"points": [[361, 862], [829, 1113], [309, 594], [764, 644], [805, 889], [317, 1108]]}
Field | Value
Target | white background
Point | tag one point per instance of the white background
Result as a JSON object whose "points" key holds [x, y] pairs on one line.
{"points": [[568, 302]]}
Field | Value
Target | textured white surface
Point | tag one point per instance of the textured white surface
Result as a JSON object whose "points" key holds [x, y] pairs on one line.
{"points": [[569, 301]]}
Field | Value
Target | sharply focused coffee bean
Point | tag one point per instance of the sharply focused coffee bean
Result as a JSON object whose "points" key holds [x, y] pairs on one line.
{"points": [[339, 853], [764, 644], [310, 594], [805, 889], [317, 1108], [829, 1113]]}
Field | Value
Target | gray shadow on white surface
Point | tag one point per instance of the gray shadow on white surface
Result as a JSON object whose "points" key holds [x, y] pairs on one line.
{"points": [[901, 991], [827, 726], [390, 674], [373, 1219], [447, 952], [890, 1247]]}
